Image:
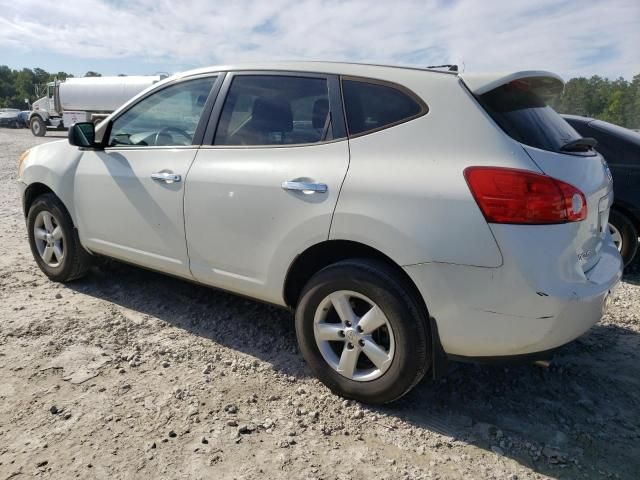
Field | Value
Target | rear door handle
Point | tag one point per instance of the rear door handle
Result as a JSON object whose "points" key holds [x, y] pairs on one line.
{"points": [[166, 177], [305, 187]]}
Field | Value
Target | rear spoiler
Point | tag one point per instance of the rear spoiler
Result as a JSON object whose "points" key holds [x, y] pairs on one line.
{"points": [[543, 83]]}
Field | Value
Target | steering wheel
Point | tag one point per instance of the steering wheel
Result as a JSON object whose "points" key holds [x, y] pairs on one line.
{"points": [[169, 130]]}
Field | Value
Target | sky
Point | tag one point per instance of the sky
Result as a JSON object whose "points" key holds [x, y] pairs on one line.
{"points": [[569, 37]]}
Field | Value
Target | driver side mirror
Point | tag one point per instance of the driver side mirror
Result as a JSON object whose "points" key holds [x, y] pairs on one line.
{"points": [[83, 135]]}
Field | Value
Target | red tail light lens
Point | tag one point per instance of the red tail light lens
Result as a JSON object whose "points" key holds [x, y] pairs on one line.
{"points": [[507, 195]]}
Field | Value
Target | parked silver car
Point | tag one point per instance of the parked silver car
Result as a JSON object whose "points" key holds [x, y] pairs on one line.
{"points": [[10, 117]]}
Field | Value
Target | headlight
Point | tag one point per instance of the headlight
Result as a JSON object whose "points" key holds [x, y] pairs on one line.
{"points": [[21, 160]]}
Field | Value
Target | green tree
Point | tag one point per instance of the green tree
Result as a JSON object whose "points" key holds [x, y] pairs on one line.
{"points": [[616, 101]]}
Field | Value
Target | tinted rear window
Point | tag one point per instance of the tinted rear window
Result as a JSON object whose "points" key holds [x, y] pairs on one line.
{"points": [[525, 117], [371, 106]]}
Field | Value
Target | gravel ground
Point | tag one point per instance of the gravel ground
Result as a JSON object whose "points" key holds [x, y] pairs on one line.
{"points": [[130, 374]]}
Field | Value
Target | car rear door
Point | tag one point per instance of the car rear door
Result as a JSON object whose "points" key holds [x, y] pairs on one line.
{"points": [[264, 186]]}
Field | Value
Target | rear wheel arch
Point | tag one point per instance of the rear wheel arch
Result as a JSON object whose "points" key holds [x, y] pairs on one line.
{"points": [[323, 254]]}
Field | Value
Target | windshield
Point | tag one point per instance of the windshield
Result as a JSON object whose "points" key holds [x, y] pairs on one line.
{"points": [[526, 117]]}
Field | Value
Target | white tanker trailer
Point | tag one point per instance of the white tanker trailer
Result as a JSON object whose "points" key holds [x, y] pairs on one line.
{"points": [[88, 99]]}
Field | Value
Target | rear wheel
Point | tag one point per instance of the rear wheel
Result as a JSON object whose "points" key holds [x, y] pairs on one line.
{"points": [[362, 332], [624, 235], [38, 127], [54, 240]]}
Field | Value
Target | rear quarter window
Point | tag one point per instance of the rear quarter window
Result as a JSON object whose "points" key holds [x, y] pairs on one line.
{"points": [[371, 106], [526, 117]]}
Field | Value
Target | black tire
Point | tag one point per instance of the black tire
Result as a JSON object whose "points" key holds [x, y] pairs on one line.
{"points": [[76, 260], [628, 233], [409, 323], [38, 127]]}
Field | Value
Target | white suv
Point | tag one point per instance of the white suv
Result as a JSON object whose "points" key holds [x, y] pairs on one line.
{"points": [[407, 215]]}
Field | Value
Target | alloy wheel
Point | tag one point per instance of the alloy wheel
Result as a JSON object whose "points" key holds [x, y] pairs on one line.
{"points": [[354, 336], [49, 240]]}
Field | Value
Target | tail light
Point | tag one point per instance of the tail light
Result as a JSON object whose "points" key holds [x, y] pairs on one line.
{"points": [[507, 195]]}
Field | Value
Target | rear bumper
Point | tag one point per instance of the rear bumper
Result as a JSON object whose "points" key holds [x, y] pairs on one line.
{"points": [[496, 312]]}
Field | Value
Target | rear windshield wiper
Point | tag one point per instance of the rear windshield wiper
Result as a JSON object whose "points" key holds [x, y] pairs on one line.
{"points": [[579, 145]]}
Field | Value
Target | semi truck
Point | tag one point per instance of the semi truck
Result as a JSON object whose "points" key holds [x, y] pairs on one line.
{"points": [[87, 99]]}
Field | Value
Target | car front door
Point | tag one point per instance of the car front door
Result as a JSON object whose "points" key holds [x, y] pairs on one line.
{"points": [[266, 186], [129, 196]]}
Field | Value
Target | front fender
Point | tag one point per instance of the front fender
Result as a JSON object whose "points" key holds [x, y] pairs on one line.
{"points": [[54, 165], [44, 115]]}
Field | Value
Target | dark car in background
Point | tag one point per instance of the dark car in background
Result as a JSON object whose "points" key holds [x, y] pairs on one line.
{"points": [[24, 118], [621, 148], [10, 117]]}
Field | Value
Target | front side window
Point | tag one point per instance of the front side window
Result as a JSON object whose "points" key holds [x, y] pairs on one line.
{"points": [[275, 110], [168, 117], [372, 106]]}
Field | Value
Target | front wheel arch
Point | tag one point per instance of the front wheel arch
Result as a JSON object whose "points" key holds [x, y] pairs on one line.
{"points": [[35, 190]]}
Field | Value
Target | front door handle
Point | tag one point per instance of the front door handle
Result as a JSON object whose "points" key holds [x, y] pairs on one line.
{"points": [[305, 187], [166, 177]]}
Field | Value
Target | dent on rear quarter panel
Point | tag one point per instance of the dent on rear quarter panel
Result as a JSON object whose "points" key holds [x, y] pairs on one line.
{"points": [[54, 165], [405, 192]]}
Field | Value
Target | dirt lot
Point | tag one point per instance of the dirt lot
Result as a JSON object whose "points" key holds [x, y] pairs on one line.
{"points": [[130, 374]]}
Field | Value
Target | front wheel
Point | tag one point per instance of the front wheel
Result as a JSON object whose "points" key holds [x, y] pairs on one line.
{"points": [[38, 127], [362, 332], [624, 235], [54, 240]]}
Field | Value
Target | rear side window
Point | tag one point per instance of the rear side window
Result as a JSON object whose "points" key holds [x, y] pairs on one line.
{"points": [[275, 110], [526, 117], [372, 106]]}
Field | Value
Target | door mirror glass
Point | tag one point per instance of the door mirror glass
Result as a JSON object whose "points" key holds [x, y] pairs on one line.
{"points": [[83, 134]]}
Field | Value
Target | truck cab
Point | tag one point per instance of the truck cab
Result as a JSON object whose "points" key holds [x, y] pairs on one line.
{"points": [[44, 113]]}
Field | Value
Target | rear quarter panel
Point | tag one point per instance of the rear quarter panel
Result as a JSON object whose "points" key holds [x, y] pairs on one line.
{"points": [[405, 192]]}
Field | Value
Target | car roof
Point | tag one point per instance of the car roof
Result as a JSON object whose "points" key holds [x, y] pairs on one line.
{"points": [[339, 68], [477, 83]]}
